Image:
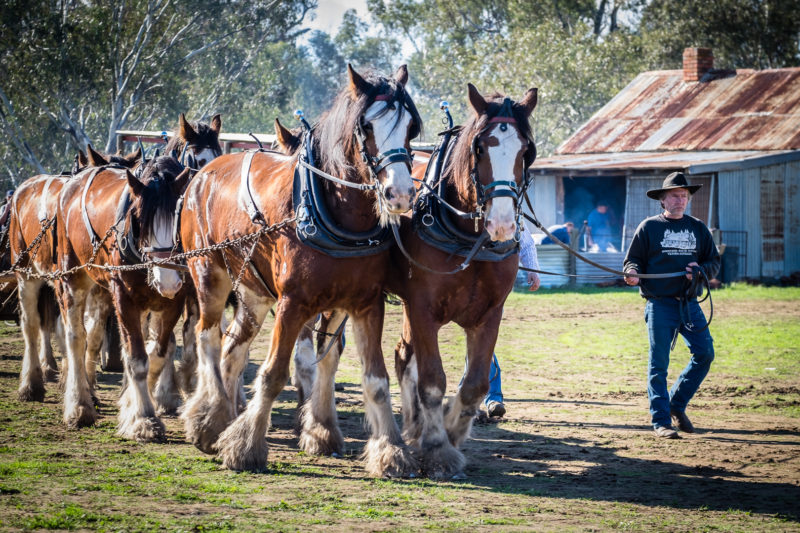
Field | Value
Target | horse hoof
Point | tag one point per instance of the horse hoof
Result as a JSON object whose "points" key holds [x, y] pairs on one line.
{"points": [[442, 461], [31, 393], [149, 430], [50, 375], [460, 476], [321, 441], [205, 441], [388, 460], [168, 406], [204, 422], [81, 418], [240, 450]]}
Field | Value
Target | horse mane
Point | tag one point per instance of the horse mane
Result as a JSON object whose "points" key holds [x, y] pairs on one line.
{"points": [[335, 146], [157, 201], [459, 164]]}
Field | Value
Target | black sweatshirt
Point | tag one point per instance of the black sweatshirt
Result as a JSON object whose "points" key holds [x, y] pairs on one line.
{"points": [[662, 245]]}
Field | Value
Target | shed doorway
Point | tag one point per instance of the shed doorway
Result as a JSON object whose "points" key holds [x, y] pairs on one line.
{"points": [[583, 195]]}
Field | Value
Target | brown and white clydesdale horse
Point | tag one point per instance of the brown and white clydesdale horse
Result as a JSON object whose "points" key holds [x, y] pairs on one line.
{"points": [[484, 173], [222, 202], [33, 206], [141, 210]]}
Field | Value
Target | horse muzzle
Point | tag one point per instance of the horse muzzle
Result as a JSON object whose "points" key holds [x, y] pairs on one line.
{"points": [[398, 199], [165, 280]]}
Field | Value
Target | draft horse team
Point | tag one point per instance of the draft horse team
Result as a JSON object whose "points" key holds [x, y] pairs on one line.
{"points": [[342, 215]]}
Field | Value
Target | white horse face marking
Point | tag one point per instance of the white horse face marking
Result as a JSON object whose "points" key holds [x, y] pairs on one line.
{"points": [[166, 281], [504, 151], [203, 157], [389, 130]]}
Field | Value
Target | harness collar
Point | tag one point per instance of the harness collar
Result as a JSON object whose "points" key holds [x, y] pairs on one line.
{"points": [[314, 222]]}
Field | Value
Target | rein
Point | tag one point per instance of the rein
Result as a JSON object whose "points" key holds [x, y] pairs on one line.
{"points": [[318, 172], [556, 240], [479, 242]]}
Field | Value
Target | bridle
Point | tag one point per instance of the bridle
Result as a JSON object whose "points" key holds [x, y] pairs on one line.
{"points": [[484, 193], [377, 163], [504, 117], [188, 160], [500, 188]]}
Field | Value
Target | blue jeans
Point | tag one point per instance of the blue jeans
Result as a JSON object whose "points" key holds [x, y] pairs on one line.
{"points": [[663, 321], [495, 393]]}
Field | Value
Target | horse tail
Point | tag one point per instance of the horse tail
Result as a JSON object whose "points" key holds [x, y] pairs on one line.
{"points": [[48, 308]]}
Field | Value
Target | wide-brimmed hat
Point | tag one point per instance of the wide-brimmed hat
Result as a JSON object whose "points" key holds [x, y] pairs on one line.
{"points": [[676, 180]]}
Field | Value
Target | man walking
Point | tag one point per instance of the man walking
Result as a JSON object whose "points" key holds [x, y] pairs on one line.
{"points": [[670, 242]]}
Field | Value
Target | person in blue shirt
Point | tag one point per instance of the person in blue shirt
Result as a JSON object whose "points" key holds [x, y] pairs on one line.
{"points": [[560, 232], [600, 231]]}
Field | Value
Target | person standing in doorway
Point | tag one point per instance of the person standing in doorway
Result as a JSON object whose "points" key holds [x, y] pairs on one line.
{"points": [[600, 231], [672, 242]]}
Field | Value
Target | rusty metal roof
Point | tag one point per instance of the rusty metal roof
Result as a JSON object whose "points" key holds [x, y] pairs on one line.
{"points": [[689, 162], [727, 110]]}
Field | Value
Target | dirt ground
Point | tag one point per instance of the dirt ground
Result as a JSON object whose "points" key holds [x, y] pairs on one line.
{"points": [[561, 459]]}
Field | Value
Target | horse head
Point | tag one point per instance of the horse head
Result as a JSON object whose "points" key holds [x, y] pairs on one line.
{"points": [[500, 146], [155, 197], [369, 129], [94, 158], [197, 143]]}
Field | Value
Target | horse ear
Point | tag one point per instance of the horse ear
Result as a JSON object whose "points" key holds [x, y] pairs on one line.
{"points": [[401, 75], [358, 85], [95, 158], [180, 183], [216, 123], [136, 185], [528, 101], [287, 140], [476, 100], [133, 157], [185, 129], [82, 159]]}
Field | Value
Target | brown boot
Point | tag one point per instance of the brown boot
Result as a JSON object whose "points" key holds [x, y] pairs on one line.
{"points": [[682, 421]]}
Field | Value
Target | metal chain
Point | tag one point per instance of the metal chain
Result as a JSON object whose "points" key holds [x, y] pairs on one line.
{"points": [[35, 243], [227, 243]]}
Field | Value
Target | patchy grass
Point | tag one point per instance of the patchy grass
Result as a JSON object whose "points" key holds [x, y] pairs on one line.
{"points": [[573, 453]]}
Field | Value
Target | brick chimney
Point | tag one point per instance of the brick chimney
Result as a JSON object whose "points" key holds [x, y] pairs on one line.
{"points": [[696, 62]]}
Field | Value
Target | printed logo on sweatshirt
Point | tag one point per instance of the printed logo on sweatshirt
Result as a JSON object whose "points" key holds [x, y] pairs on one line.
{"points": [[679, 242]]}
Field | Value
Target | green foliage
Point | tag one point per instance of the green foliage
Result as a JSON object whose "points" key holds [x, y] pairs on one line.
{"points": [[742, 33]]}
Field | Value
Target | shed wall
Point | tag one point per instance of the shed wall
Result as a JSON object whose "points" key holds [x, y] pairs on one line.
{"points": [[544, 197], [792, 224], [773, 219], [739, 211]]}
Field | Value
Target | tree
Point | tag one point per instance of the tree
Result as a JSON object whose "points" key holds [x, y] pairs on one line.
{"points": [[510, 46], [90, 68], [742, 33]]}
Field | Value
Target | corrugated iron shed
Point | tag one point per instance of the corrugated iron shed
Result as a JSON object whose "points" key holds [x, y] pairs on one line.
{"points": [[727, 110]]}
